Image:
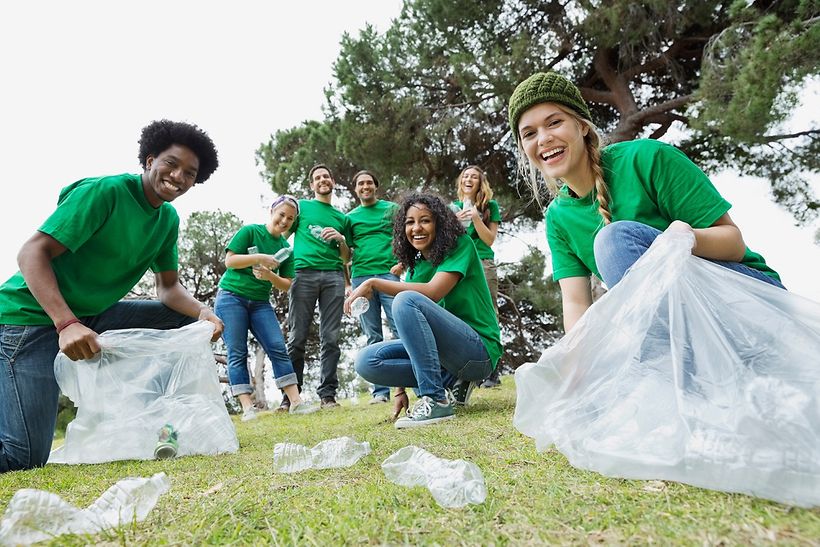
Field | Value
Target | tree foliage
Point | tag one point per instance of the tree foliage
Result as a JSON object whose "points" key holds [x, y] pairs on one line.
{"points": [[428, 96]]}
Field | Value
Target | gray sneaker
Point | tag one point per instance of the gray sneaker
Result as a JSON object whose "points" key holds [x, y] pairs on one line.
{"points": [[426, 411], [303, 408], [462, 390]]}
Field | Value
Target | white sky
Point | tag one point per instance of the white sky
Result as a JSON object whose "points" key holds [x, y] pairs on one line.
{"points": [[81, 78]]}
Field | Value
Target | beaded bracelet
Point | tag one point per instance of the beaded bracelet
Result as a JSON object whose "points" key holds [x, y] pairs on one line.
{"points": [[61, 326]]}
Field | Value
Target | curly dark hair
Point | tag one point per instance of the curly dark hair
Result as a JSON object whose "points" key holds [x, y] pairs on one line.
{"points": [[448, 228], [160, 135]]}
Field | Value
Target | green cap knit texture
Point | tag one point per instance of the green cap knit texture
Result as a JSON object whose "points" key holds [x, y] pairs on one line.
{"points": [[545, 87]]}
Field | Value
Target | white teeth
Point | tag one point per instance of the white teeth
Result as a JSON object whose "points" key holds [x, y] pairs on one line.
{"points": [[550, 153]]}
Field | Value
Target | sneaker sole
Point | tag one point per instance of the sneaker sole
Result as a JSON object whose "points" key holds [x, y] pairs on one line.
{"points": [[406, 423]]}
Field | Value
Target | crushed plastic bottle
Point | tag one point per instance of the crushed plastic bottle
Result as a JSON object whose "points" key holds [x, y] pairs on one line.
{"points": [[37, 515], [316, 231], [453, 483], [338, 452], [359, 306]]}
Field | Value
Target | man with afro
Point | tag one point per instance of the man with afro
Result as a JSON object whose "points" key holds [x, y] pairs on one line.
{"points": [[105, 233]]}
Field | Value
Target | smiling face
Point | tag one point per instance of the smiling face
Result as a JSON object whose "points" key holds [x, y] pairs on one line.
{"points": [[470, 183], [170, 174], [553, 141], [281, 218], [321, 183], [366, 189], [420, 227]]}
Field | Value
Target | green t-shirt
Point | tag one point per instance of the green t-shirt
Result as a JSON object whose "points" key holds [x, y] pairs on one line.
{"points": [[242, 281], [649, 182], [371, 236], [470, 299], [112, 236], [312, 251], [484, 250]]}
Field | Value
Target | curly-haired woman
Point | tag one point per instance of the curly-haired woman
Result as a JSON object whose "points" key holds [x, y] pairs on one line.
{"points": [[443, 300]]}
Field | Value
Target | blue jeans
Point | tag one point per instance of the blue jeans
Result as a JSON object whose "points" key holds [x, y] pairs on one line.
{"points": [[28, 390], [371, 320], [241, 315], [433, 350], [620, 244], [328, 288]]}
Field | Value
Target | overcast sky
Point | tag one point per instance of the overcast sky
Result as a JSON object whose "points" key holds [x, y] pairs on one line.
{"points": [[80, 79]]}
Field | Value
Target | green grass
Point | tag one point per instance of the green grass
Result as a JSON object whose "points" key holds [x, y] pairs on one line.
{"points": [[533, 498]]}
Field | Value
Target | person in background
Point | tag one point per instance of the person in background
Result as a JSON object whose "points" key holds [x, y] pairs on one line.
{"points": [[482, 217], [371, 234], [258, 259], [321, 251], [105, 233], [445, 298]]}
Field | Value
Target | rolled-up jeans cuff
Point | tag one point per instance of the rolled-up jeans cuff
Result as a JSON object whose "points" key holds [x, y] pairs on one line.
{"points": [[286, 380], [241, 389]]}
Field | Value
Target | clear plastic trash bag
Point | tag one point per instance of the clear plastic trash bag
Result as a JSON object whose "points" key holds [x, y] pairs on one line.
{"points": [[453, 483], [685, 371], [37, 515], [140, 381]]}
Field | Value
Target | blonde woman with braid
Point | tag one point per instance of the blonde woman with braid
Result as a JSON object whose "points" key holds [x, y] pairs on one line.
{"points": [[483, 218], [611, 203]]}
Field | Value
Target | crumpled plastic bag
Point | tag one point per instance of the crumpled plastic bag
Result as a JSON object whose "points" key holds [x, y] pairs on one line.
{"points": [[329, 454], [685, 371], [37, 515], [453, 483], [140, 381]]}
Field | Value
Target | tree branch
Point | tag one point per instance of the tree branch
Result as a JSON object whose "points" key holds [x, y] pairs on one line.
{"points": [[772, 138]]}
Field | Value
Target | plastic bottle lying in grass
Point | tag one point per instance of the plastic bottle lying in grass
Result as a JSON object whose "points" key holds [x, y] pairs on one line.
{"points": [[37, 515], [453, 483], [338, 452]]}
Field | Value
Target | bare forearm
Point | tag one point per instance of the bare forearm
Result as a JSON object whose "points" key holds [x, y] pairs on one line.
{"points": [[180, 300], [35, 265], [721, 242], [486, 233]]}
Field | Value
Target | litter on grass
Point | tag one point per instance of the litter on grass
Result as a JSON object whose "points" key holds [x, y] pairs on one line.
{"points": [[37, 515], [453, 483], [685, 371], [338, 452], [142, 380]]}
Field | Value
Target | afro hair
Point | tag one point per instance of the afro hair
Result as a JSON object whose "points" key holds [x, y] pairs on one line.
{"points": [[160, 135]]}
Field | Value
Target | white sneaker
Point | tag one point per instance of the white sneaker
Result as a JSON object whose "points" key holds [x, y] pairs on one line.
{"points": [[378, 399], [249, 414]]}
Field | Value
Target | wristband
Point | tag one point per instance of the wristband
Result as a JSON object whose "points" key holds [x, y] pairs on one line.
{"points": [[61, 326]]}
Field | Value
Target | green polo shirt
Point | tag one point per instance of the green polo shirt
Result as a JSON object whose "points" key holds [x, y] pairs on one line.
{"points": [[470, 299]]}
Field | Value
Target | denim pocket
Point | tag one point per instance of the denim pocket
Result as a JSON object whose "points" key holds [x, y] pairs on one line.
{"points": [[12, 337]]}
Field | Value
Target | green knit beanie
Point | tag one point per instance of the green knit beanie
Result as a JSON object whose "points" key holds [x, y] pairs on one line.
{"points": [[545, 87]]}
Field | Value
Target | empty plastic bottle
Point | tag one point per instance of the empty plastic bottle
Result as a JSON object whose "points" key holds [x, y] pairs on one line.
{"points": [[338, 452], [359, 306], [453, 483], [37, 515], [282, 254], [468, 204], [316, 231]]}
